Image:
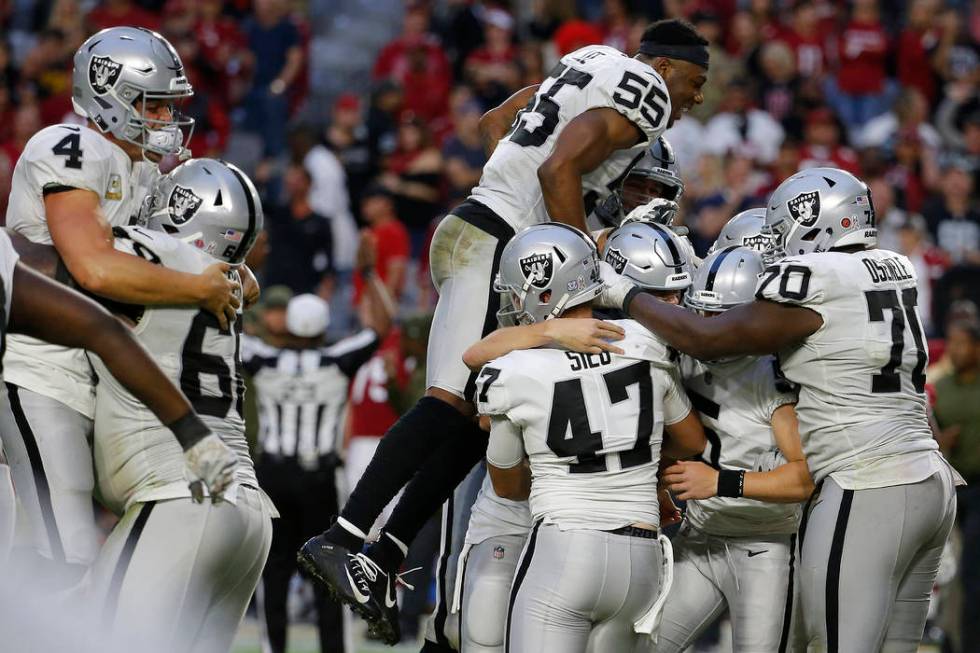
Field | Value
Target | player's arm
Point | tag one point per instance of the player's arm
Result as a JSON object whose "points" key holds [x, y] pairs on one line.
{"points": [[84, 240], [684, 439], [760, 327], [586, 142], [43, 309], [789, 483], [507, 463], [497, 121], [586, 335], [381, 308]]}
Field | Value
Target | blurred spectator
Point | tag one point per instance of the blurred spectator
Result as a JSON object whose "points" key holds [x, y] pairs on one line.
{"points": [[382, 120], [575, 34], [461, 32], [617, 23], [413, 173], [68, 17], [861, 89], [889, 218], [300, 240], [272, 315], [223, 50], [418, 63], [909, 114], [463, 153], [822, 145], [276, 50], [916, 47], [328, 193], [116, 13], [958, 119], [929, 262], [779, 81], [48, 67], [492, 69], [743, 127], [958, 53], [392, 245], [347, 138], [953, 217], [27, 122], [806, 39], [724, 68], [958, 414]]}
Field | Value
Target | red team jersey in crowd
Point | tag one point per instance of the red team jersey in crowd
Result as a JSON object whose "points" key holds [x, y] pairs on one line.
{"points": [[370, 413], [392, 243]]}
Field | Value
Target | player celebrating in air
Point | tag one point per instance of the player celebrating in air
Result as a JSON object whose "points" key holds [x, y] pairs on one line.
{"points": [[733, 550], [591, 428], [184, 572], [581, 131], [841, 314], [70, 186]]}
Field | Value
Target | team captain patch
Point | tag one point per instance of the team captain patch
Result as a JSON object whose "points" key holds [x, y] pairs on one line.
{"points": [[103, 73], [537, 269], [805, 208]]}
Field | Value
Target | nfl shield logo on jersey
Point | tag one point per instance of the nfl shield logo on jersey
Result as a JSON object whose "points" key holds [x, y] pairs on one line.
{"points": [[805, 208], [103, 73], [183, 204], [499, 552], [537, 269], [615, 258]]}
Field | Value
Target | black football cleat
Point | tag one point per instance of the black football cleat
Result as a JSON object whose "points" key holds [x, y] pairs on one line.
{"points": [[347, 577]]}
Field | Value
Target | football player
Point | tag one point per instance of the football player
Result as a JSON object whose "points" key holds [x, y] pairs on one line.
{"points": [[182, 570], [581, 435], [745, 229], [32, 305], [72, 184], [842, 316], [654, 177], [652, 256], [581, 131], [736, 553]]}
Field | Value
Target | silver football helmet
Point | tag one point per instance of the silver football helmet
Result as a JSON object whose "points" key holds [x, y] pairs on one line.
{"points": [[726, 279], [545, 270], [117, 72], [650, 255], [209, 204], [819, 209], [658, 165], [745, 229]]}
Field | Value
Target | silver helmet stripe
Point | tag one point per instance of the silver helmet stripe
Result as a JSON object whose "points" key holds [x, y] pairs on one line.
{"points": [[245, 244]]}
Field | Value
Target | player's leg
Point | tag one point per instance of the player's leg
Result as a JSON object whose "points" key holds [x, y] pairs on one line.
{"points": [[464, 260], [857, 548], [442, 626], [632, 584], [50, 459], [555, 592], [279, 481], [695, 600], [487, 577], [908, 617], [759, 593]]}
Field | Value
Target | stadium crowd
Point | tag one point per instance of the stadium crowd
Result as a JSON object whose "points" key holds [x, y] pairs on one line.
{"points": [[887, 90]]}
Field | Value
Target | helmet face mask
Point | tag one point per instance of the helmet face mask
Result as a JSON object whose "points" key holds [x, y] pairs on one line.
{"points": [[124, 79], [654, 176]]}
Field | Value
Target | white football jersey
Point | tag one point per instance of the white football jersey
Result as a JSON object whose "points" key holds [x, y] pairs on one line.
{"points": [[590, 424], [592, 77], [493, 516], [67, 156], [8, 259], [137, 458], [862, 405], [736, 400]]}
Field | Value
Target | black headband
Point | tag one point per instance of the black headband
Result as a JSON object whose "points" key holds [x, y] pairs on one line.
{"points": [[696, 54]]}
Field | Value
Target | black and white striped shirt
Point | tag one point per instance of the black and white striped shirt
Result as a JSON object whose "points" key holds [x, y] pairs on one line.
{"points": [[302, 394]]}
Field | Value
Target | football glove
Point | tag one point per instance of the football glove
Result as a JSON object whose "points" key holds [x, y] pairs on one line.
{"points": [[210, 466], [656, 210], [615, 287]]}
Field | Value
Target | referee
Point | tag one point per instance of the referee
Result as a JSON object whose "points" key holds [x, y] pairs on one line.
{"points": [[301, 390]]}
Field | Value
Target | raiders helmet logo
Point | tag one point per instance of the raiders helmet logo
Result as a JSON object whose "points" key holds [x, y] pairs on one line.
{"points": [[760, 242], [183, 204], [103, 73], [615, 258], [537, 269], [805, 208]]}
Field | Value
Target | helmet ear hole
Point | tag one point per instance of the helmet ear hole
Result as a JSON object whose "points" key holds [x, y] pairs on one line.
{"points": [[545, 297]]}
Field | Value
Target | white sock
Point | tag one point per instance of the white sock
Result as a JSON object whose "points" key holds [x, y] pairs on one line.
{"points": [[351, 528], [401, 545]]}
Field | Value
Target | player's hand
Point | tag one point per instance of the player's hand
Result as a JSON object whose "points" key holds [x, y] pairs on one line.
{"points": [[211, 466], [585, 335], [691, 480], [656, 210], [669, 512], [221, 293], [250, 286], [367, 250], [616, 287]]}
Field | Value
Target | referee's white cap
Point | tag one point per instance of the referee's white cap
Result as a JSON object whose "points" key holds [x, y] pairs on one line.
{"points": [[307, 316]]}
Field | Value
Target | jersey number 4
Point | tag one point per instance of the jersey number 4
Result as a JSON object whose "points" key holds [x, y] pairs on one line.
{"points": [[70, 147], [902, 309], [568, 413]]}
